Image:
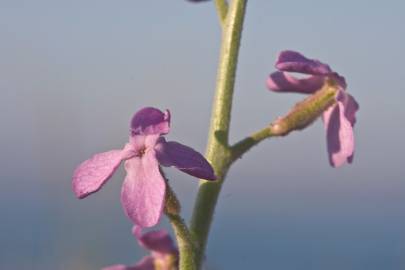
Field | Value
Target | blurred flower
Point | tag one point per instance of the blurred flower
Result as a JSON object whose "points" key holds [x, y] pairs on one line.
{"points": [[339, 118], [196, 1], [143, 190], [164, 255]]}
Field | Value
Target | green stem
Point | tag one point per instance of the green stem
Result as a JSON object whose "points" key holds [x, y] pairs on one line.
{"points": [[218, 150], [183, 237], [221, 155], [222, 10], [184, 242], [241, 147]]}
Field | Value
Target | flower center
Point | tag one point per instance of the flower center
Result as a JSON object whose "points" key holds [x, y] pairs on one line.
{"points": [[141, 152]]}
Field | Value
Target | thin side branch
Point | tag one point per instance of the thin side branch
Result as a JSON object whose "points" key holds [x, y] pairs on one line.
{"points": [[241, 147]]}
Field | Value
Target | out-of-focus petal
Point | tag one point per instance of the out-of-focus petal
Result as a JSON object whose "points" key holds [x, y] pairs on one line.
{"points": [[145, 264], [143, 190], [340, 80], [116, 267], [93, 173], [148, 121], [339, 135], [295, 62], [158, 241], [184, 158], [284, 82]]}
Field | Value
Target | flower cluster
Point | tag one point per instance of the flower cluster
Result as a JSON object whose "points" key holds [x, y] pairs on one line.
{"points": [[339, 118], [145, 191], [144, 187]]}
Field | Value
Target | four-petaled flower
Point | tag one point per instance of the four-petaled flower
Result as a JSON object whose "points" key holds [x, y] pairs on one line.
{"points": [[339, 119], [143, 190], [164, 255]]}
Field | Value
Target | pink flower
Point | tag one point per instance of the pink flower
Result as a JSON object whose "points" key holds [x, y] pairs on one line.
{"points": [[164, 255], [143, 190], [339, 119]]}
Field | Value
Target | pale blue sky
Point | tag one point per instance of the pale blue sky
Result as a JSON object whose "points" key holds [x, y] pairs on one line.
{"points": [[72, 73]]}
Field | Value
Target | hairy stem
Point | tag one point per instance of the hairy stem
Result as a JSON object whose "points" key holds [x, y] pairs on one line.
{"points": [[184, 242], [241, 147], [183, 237], [218, 151]]}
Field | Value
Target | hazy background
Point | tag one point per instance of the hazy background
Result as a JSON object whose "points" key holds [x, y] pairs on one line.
{"points": [[72, 73]]}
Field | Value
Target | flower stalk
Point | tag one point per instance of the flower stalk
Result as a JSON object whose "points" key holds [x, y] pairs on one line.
{"points": [[218, 150], [222, 156], [146, 191], [184, 242]]}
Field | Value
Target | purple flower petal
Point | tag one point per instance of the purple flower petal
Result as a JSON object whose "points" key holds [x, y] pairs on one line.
{"points": [[340, 80], [158, 241], [143, 190], [116, 267], [147, 263], [185, 159], [339, 135], [148, 121], [283, 82], [351, 106], [295, 62], [93, 173]]}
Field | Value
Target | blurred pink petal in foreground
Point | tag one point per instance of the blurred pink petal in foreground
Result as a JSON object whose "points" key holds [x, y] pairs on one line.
{"points": [[164, 255]]}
